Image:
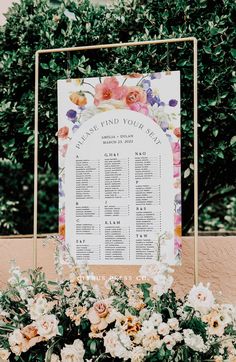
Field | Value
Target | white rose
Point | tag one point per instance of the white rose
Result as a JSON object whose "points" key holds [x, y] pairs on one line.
{"points": [[47, 326], [169, 342], [156, 319], [15, 337], [148, 327], [173, 323], [17, 342], [110, 342], [4, 354], [114, 346], [138, 354], [151, 341], [73, 352], [177, 336], [194, 341], [54, 358], [163, 329]]}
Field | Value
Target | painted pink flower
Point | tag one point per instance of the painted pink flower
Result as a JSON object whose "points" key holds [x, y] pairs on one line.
{"points": [[135, 95], [177, 219], [109, 89], [62, 216], [63, 150], [139, 107], [178, 244], [176, 158], [63, 132]]}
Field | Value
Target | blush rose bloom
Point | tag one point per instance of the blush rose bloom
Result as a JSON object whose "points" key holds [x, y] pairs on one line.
{"points": [[101, 314], [47, 326], [109, 89]]}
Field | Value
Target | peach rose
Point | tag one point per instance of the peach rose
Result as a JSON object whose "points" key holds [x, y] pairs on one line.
{"points": [[29, 332], [101, 308], [135, 95], [101, 314], [63, 132]]}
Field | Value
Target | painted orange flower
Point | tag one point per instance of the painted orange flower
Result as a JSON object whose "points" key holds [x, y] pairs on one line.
{"points": [[78, 98], [178, 230], [177, 132], [62, 230], [63, 132]]}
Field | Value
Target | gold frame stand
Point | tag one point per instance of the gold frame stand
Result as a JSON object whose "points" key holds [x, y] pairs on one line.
{"points": [[195, 121]]}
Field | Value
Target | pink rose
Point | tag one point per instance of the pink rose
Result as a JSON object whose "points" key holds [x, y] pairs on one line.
{"points": [[109, 89], [139, 107], [63, 132], [62, 217], [178, 244], [63, 150], [100, 315], [101, 309], [177, 219], [176, 158]]}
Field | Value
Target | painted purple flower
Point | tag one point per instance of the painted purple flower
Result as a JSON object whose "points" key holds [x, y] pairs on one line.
{"points": [[178, 198], [152, 99], [60, 186], [146, 84], [72, 115], [173, 102], [74, 129], [155, 75], [164, 125]]}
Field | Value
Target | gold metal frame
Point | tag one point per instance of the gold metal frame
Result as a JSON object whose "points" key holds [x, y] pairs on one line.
{"points": [[195, 120]]}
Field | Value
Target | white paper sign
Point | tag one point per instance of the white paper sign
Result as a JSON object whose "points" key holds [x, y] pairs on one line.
{"points": [[119, 185]]}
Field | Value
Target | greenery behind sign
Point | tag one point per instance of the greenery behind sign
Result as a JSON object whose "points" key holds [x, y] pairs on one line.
{"points": [[33, 25]]}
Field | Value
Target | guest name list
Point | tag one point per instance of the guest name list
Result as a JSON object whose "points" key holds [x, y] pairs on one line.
{"points": [[119, 189]]}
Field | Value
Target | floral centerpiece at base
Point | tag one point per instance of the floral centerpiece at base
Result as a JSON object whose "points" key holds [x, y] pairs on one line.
{"points": [[69, 320]]}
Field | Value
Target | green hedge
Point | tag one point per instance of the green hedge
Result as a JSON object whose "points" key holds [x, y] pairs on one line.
{"points": [[34, 24]]}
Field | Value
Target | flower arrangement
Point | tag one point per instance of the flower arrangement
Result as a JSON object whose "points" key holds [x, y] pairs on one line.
{"points": [[72, 321]]}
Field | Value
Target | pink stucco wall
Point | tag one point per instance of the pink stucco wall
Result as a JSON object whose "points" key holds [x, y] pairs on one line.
{"points": [[217, 264]]}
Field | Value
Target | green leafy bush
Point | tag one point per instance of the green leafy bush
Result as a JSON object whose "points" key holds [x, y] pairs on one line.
{"points": [[33, 25]]}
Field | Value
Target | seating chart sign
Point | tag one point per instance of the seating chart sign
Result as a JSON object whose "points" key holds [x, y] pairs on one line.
{"points": [[119, 168]]}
